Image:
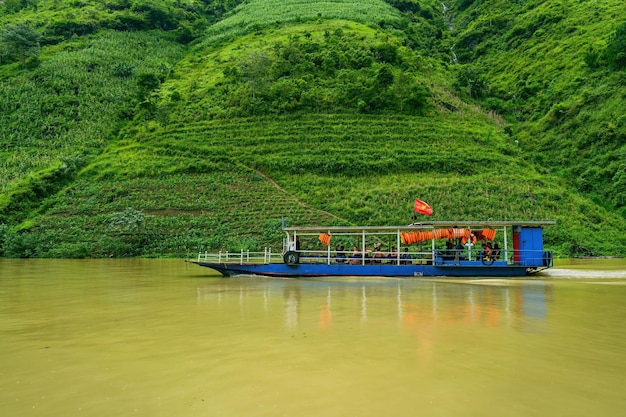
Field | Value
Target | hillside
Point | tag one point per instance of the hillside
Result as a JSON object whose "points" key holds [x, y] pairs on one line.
{"points": [[556, 71], [204, 132]]}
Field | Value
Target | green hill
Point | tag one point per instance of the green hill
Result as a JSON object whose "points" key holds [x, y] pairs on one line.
{"points": [[163, 128], [556, 71]]}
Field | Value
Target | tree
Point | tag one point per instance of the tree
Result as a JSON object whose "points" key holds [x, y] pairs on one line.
{"points": [[128, 221], [255, 70], [384, 76], [471, 81], [615, 52], [21, 40]]}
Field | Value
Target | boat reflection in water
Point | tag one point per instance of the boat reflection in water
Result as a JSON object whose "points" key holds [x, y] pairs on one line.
{"points": [[517, 304]]}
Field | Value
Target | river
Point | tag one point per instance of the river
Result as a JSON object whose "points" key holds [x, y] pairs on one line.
{"points": [[166, 338]]}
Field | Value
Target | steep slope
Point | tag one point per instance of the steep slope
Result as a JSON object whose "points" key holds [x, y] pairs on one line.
{"points": [[320, 113], [545, 67]]}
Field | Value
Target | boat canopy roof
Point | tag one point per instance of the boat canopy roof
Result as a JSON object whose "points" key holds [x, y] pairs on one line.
{"points": [[422, 225]]}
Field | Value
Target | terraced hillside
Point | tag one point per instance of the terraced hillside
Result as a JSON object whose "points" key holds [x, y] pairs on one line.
{"points": [[318, 112], [227, 184], [555, 70]]}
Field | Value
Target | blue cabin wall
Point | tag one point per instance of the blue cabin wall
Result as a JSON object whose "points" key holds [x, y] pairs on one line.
{"points": [[530, 246]]}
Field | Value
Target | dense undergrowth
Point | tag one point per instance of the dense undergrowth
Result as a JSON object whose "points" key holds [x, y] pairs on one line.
{"points": [[557, 71], [202, 131]]}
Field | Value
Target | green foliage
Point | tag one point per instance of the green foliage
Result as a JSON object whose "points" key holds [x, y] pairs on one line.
{"points": [[127, 221], [61, 20], [615, 52], [592, 58], [545, 65], [21, 40], [471, 82], [257, 15], [315, 68], [3, 236], [26, 194], [72, 105], [127, 142], [201, 189]]}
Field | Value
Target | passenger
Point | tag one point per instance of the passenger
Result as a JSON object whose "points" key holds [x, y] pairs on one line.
{"points": [[377, 255], [458, 248], [495, 253], [406, 258], [393, 255], [449, 253], [486, 252], [368, 255], [356, 256], [341, 255]]}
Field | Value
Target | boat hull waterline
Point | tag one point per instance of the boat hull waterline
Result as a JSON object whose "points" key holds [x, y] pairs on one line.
{"points": [[321, 270]]}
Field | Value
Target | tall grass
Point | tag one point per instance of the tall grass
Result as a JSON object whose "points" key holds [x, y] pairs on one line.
{"points": [[260, 14], [207, 187], [567, 115], [199, 154], [73, 104]]}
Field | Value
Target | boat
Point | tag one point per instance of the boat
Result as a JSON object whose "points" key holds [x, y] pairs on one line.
{"points": [[426, 249]]}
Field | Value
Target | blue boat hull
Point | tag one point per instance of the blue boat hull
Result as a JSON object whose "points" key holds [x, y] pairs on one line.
{"points": [[464, 269]]}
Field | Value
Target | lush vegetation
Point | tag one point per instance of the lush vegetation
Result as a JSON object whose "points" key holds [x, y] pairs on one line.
{"points": [[555, 71], [136, 128]]}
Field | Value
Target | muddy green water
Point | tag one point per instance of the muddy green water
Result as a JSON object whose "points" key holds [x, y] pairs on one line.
{"points": [[166, 338]]}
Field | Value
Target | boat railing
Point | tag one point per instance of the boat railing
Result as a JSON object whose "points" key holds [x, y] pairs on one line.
{"points": [[530, 258], [441, 257], [241, 257], [328, 257]]}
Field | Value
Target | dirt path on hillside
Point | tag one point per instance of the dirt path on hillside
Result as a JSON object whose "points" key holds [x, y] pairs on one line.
{"points": [[302, 203]]}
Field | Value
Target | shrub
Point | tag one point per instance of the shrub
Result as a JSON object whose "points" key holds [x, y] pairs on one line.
{"points": [[21, 40], [615, 52]]}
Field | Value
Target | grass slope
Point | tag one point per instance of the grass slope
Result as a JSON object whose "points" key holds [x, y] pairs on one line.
{"points": [[57, 117], [568, 109], [225, 145], [259, 14]]}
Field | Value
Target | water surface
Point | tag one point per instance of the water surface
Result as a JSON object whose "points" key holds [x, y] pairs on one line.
{"points": [[166, 338]]}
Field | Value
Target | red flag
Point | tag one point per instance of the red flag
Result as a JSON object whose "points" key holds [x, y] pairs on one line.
{"points": [[422, 207]]}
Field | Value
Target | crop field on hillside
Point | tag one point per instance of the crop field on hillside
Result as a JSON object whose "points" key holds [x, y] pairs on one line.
{"points": [[157, 128], [67, 108], [259, 14], [349, 165]]}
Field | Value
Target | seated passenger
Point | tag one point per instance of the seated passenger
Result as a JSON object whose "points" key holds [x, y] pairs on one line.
{"points": [[406, 258], [449, 253], [368, 255], [377, 254], [458, 248], [341, 255], [356, 256], [393, 255], [486, 252], [495, 253]]}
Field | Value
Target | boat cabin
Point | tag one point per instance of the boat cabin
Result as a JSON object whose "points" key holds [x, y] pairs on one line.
{"points": [[500, 243]]}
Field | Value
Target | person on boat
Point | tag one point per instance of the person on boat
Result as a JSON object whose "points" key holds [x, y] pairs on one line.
{"points": [[341, 255], [406, 258], [449, 253], [486, 252], [356, 256], [377, 255], [368, 255], [495, 253], [458, 248], [393, 255]]}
